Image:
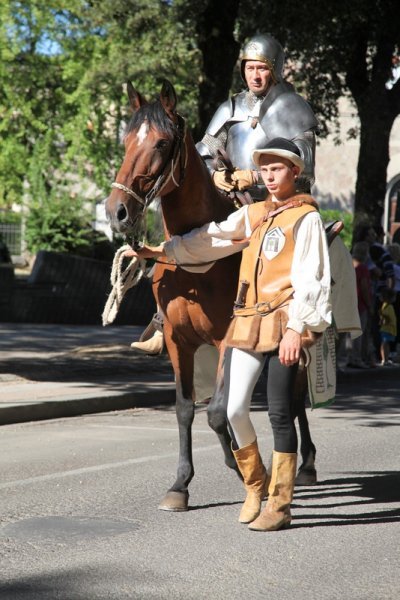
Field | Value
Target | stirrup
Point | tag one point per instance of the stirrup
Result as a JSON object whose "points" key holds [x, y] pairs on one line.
{"points": [[156, 324], [158, 321]]}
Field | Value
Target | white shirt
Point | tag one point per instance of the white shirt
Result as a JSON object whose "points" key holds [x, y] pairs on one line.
{"points": [[310, 273]]}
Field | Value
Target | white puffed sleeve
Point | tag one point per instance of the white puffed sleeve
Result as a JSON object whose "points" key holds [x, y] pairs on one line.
{"points": [[311, 277], [209, 243]]}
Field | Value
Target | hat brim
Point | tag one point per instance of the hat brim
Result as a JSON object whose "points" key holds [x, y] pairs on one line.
{"points": [[294, 158]]}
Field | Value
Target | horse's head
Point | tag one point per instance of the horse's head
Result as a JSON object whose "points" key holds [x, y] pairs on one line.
{"points": [[153, 146]]}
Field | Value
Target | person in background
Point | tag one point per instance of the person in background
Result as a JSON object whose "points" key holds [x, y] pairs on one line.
{"points": [[394, 251], [360, 346], [381, 269], [387, 324]]}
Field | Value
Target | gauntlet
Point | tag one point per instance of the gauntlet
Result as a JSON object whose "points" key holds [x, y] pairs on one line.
{"points": [[223, 180], [244, 179]]}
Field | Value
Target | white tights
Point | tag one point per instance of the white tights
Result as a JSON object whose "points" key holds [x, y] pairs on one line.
{"points": [[246, 368]]}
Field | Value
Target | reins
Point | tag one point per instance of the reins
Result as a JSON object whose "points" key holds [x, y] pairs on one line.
{"points": [[121, 281], [124, 279]]}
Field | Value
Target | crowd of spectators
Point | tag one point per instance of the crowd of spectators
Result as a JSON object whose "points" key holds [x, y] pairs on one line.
{"points": [[377, 268]]}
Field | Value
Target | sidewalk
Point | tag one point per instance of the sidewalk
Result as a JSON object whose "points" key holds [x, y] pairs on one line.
{"points": [[53, 371]]}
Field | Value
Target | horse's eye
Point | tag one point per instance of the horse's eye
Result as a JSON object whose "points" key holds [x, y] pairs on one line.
{"points": [[161, 144]]}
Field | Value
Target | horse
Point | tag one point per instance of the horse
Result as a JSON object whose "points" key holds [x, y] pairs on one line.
{"points": [[161, 160]]}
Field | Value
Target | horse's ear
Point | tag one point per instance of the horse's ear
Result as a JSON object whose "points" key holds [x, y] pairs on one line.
{"points": [[136, 100], [168, 98]]}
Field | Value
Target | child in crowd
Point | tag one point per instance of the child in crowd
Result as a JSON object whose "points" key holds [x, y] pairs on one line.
{"points": [[387, 324], [394, 250]]}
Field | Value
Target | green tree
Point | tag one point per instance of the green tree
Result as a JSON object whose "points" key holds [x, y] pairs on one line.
{"points": [[62, 68]]}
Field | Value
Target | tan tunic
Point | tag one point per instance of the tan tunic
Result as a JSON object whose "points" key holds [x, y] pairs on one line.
{"points": [[265, 287]]}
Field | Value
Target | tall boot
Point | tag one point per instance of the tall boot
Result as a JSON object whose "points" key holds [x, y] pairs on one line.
{"points": [[276, 514], [255, 480], [153, 345]]}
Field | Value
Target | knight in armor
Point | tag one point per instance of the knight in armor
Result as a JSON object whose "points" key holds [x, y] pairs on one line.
{"points": [[269, 108], [282, 306]]}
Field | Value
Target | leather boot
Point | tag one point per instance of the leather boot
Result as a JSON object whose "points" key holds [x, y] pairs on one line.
{"points": [[255, 480], [153, 345], [276, 514]]}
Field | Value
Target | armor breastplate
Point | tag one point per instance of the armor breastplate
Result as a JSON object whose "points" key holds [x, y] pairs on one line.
{"points": [[242, 141]]}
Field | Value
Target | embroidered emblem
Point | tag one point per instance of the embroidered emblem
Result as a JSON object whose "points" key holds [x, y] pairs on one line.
{"points": [[273, 243]]}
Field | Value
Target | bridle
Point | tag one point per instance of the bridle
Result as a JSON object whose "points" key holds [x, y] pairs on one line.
{"points": [[178, 156]]}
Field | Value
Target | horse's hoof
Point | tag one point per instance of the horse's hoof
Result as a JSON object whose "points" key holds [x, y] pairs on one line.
{"points": [[307, 476], [175, 501]]}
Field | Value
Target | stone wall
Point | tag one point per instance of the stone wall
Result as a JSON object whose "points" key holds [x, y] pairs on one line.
{"points": [[68, 289]]}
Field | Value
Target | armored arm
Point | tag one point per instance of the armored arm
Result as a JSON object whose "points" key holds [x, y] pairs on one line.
{"points": [[306, 143], [216, 135], [208, 147]]}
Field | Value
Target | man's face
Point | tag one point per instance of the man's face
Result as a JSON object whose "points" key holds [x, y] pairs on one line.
{"points": [[279, 176], [258, 76]]}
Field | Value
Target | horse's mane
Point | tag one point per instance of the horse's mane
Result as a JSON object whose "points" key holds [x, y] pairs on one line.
{"points": [[155, 115]]}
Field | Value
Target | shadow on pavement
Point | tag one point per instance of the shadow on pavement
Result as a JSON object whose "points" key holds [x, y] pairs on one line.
{"points": [[360, 489]]}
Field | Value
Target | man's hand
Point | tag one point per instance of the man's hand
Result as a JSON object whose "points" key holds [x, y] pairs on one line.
{"points": [[145, 252], [223, 180], [244, 178], [289, 348]]}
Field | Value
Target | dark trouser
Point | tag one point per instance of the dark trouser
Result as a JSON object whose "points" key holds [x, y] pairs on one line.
{"points": [[280, 393]]}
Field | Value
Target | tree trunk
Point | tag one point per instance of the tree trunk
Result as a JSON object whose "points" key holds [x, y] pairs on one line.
{"points": [[373, 160], [220, 51]]}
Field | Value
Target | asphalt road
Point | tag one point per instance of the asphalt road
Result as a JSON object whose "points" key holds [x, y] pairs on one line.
{"points": [[79, 518]]}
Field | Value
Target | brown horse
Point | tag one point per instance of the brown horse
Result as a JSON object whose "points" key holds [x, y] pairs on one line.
{"points": [[161, 160]]}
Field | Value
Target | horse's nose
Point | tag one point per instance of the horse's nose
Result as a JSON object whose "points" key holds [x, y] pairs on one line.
{"points": [[122, 213]]}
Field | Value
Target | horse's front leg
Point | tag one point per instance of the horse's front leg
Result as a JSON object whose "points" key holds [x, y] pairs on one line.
{"points": [[177, 497], [217, 409]]}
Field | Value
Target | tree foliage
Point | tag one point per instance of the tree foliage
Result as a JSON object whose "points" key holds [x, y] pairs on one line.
{"points": [[64, 64]]}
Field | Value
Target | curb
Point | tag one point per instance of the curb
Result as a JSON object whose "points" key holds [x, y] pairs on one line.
{"points": [[73, 407]]}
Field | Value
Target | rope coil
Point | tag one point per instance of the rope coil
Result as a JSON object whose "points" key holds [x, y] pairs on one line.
{"points": [[122, 279]]}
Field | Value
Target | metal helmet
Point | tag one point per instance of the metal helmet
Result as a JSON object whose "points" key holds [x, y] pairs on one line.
{"points": [[266, 49]]}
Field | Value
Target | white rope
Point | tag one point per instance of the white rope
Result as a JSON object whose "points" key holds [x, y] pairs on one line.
{"points": [[121, 280]]}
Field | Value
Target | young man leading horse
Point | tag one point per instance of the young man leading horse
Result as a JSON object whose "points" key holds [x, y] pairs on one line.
{"points": [[283, 303]]}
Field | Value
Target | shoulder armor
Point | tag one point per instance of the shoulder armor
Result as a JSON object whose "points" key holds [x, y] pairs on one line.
{"points": [[286, 113], [221, 116], [234, 109]]}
